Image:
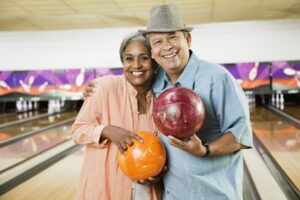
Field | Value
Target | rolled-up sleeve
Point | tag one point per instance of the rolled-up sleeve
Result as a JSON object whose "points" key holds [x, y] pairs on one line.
{"points": [[87, 127], [232, 110]]}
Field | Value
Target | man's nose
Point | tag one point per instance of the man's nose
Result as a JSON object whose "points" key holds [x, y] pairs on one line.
{"points": [[167, 45]]}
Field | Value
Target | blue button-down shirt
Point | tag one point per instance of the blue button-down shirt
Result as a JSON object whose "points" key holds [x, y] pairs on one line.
{"points": [[226, 110]]}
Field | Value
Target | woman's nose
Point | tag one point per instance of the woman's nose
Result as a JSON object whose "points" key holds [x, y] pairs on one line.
{"points": [[136, 63]]}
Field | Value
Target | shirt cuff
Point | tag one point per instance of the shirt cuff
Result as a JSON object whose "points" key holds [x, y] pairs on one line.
{"points": [[97, 135]]}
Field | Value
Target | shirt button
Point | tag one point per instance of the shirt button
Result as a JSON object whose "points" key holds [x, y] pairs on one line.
{"points": [[168, 192]]}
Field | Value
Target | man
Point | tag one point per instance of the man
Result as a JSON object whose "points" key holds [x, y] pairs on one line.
{"points": [[209, 165]]}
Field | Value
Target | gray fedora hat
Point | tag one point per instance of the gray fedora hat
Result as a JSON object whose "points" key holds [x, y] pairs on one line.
{"points": [[165, 18]]}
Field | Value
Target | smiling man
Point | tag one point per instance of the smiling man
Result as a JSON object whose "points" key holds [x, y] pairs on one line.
{"points": [[210, 164]]}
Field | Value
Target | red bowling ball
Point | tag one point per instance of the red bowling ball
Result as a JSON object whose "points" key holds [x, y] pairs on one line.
{"points": [[178, 112]]}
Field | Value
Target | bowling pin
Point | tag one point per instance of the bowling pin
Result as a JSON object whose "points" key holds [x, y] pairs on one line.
{"points": [[281, 99], [289, 71], [65, 87], [35, 105], [273, 99], [277, 98], [253, 71], [62, 103], [281, 106], [80, 78], [24, 86], [248, 98], [30, 81], [4, 85], [50, 106], [29, 105], [24, 105], [19, 105], [56, 105], [297, 78], [43, 86], [292, 72]]}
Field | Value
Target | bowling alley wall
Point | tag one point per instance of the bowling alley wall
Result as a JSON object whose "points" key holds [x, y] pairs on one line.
{"points": [[264, 57]]}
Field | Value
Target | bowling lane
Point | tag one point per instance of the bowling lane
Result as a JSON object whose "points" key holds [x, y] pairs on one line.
{"points": [[7, 113], [20, 116], [58, 182], [35, 124], [29, 147], [281, 140], [293, 110]]}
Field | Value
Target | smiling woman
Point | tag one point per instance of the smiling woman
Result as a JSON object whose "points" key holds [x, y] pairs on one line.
{"points": [[137, 63], [107, 123]]}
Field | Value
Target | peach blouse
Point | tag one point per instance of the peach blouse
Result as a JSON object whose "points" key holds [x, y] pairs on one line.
{"points": [[113, 103]]}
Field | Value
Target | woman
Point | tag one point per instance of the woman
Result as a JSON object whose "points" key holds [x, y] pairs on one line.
{"points": [[107, 121]]}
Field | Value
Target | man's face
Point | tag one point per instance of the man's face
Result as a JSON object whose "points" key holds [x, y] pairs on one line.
{"points": [[170, 50]]}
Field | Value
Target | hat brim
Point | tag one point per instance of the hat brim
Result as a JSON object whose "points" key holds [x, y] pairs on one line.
{"points": [[144, 32]]}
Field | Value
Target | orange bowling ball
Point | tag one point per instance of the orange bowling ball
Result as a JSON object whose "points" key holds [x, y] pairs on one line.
{"points": [[143, 160]]}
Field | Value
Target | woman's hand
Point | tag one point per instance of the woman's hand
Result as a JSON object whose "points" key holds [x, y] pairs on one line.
{"points": [[155, 179], [119, 136], [89, 89]]}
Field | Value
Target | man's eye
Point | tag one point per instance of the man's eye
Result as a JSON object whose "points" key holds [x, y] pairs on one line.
{"points": [[173, 37], [156, 42]]}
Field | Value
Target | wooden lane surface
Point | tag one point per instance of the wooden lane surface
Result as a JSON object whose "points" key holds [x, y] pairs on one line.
{"points": [[35, 124], [29, 147], [20, 116], [58, 182], [281, 140], [293, 110]]}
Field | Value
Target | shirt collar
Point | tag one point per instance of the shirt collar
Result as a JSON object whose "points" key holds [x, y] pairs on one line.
{"points": [[187, 77], [161, 81], [132, 91]]}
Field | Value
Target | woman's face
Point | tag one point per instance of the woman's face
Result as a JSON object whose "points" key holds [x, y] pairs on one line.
{"points": [[137, 64]]}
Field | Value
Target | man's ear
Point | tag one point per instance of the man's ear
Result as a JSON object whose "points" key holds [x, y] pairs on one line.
{"points": [[189, 39]]}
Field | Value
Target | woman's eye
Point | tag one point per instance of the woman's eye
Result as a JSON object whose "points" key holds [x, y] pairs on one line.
{"points": [[128, 59], [144, 58]]}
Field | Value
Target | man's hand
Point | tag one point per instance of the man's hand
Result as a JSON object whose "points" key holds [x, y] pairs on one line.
{"points": [[90, 89], [226, 144], [192, 145], [119, 136]]}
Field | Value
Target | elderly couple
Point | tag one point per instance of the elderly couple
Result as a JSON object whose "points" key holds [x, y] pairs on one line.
{"points": [[154, 60]]}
